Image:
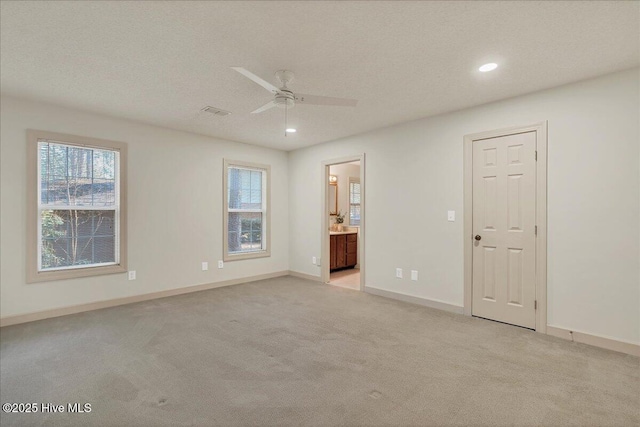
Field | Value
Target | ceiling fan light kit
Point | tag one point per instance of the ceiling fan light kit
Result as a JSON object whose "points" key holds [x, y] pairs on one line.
{"points": [[285, 98]]}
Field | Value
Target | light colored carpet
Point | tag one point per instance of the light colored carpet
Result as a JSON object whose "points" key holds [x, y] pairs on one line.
{"points": [[288, 351], [349, 278]]}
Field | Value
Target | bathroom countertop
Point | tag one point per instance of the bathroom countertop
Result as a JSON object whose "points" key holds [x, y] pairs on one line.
{"points": [[336, 233]]}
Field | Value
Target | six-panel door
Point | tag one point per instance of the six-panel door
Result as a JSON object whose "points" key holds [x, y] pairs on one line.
{"points": [[504, 198]]}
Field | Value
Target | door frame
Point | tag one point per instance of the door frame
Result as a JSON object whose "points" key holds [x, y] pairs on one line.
{"points": [[324, 236], [541, 215]]}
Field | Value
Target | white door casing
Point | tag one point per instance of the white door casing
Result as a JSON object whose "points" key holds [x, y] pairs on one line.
{"points": [[504, 220]]}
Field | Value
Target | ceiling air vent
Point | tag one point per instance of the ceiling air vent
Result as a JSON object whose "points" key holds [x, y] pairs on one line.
{"points": [[215, 111]]}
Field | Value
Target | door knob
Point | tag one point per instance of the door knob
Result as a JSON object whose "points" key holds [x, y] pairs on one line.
{"points": [[478, 237]]}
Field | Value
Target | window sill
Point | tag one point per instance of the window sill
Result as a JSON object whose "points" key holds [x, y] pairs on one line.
{"points": [[246, 255], [49, 276]]}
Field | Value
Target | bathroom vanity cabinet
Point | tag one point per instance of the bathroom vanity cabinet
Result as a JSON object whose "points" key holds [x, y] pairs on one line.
{"points": [[343, 250]]}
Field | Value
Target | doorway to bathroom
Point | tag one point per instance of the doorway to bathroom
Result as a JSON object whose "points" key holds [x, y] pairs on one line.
{"points": [[343, 222]]}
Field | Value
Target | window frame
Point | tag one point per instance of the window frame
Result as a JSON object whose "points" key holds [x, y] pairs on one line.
{"points": [[355, 181], [265, 210], [34, 137]]}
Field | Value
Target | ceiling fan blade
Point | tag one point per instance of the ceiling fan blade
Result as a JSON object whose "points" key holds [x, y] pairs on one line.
{"points": [[265, 107], [265, 84], [324, 100]]}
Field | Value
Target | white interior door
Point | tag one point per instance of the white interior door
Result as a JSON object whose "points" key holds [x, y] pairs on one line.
{"points": [[504, 246]]}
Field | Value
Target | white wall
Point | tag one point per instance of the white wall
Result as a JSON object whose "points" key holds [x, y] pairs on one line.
{"points": [[414, 174], [175, 208], [344, 172]]}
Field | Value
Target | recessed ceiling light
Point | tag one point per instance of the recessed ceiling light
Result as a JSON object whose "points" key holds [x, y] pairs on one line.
{"points": [[291, 130], [488, 67]]}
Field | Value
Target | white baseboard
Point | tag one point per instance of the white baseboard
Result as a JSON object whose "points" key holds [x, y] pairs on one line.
{"points": [[595, 340], [576, 336], [439, 305], [63, 311], [305, 276]]}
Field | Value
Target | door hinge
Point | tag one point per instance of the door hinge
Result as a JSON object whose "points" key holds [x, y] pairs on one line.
{"points": [[536, 155], [535, 305], [536, 230]]}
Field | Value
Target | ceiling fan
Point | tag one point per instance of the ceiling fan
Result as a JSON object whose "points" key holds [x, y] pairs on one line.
{"points": [[286, 98]]}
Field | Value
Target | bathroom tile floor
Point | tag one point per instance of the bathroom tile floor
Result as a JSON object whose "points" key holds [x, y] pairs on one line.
{"points": [[349, 279]]}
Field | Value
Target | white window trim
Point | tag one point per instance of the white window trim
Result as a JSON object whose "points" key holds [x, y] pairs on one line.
{"points": [[34, 274], [266, 197], [354, 180]]}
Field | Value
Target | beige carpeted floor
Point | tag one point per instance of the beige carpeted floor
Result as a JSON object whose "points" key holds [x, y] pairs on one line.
{"points": [[292, 352]]}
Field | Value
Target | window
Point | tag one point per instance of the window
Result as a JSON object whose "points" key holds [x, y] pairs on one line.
{"points": [[76, 207], [246, 204], [354, 202]]}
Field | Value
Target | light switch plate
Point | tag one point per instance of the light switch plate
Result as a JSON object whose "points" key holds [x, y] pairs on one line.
{"points": [[414, 274], [451, 216]]}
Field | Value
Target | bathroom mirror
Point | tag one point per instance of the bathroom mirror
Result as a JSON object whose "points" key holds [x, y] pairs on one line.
{"points": [[333, 195]]}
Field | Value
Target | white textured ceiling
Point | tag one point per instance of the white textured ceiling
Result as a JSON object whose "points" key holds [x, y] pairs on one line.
{"points": [[161, 62]]}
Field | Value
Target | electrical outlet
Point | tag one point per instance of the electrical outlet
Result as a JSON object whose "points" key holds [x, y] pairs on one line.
{"points": [[451, 216], [414, 274], [205, 266], [132, 275], [220, 264], [314, 260], [399, 273]]}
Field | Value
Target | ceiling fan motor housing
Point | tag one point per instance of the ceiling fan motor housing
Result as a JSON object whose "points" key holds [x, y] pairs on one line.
{"points": [[285, 98]]}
